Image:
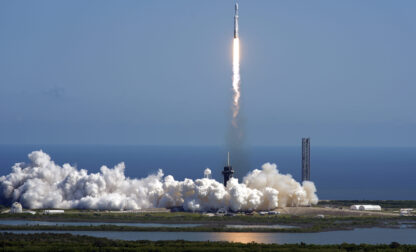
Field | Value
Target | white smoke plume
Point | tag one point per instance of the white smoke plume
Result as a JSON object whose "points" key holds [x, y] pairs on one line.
{"points": [[44, 184]]}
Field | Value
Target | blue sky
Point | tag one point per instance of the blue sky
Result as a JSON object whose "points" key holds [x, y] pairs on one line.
{"points": [[159, 72]]}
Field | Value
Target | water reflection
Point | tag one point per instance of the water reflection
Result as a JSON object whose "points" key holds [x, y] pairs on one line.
{"points": [[260, 226], [357, 236], [242, 237]]}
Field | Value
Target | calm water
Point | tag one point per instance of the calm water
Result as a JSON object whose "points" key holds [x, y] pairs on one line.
{"points": [[366, 235], [339, 173], [53, 223], [260, 226]]}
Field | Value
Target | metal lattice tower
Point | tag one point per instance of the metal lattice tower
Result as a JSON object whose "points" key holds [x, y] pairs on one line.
{"points": [[306, 159]]}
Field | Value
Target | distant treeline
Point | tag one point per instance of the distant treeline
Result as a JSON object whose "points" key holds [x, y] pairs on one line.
{"points": [[382, 203], [68, 242]]}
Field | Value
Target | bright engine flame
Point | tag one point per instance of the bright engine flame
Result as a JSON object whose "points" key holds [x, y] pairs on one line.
{"points": [[236, 80]]}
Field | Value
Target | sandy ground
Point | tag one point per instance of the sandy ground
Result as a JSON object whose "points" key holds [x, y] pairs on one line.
{"points": [[314, 211]]}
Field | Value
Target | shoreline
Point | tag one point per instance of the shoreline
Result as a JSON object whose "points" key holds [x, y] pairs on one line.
{"points": [[305, 225]]}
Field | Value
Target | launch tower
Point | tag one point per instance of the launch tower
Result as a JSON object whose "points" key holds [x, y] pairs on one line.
{"points": [[306, 159], [228, 171]]}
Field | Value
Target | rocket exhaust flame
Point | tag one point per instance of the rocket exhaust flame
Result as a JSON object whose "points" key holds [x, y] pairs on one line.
{"points": [[236, 70], [236, 80]]}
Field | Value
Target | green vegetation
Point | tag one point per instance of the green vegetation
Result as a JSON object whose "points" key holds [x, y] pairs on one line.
{"points": [[177, 217], [188, 218], [91, 216], [386, 204], [148, 229], [67, 242]]}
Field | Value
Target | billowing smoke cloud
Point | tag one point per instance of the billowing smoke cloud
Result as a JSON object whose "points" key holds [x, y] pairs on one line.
{"points": [[44, 184]]}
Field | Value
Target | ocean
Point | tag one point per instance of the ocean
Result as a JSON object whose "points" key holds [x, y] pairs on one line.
{"points": [[338, 172]]}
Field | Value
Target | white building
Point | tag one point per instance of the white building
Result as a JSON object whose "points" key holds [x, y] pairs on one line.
{"points": [[16, 208], [53, 211], [366, 207], [406, 211], [221, 211], [273, 213]]}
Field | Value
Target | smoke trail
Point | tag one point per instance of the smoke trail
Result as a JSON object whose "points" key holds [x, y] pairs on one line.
{"points": [[236, 81], [44, 184], [235, 136]]}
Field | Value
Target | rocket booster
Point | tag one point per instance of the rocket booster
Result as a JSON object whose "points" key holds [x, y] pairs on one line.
{"points": [[236, 21]]}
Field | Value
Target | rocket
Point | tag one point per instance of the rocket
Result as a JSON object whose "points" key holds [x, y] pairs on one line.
{"points": [[236, 21]]}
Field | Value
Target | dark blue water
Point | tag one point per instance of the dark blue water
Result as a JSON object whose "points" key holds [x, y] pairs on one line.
{"points": [[338, 172]]}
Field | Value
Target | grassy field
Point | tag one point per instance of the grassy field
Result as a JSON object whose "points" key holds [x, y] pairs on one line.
{"points": [[187, 217]]}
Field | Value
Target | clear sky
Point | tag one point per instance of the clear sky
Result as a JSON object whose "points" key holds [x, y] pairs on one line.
{"points": [[159, 72]]}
